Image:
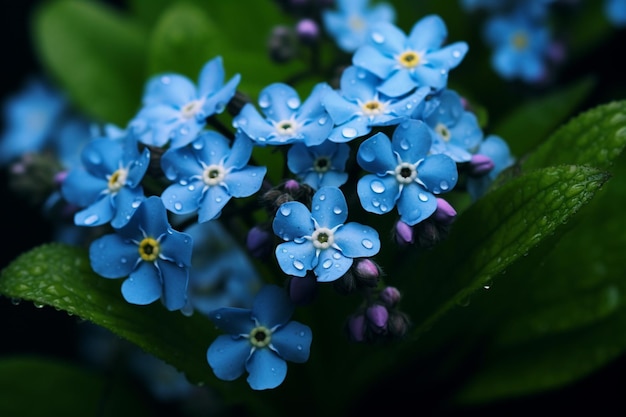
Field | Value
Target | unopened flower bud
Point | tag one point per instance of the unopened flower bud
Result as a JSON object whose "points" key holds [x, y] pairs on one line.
{"points": [[282, 44], [308, 31], [398, 324], [292, 186], [403, 233], [390, 296], [445, 213], [302, 290], [377, 316], [259, 242], [356, 327], [480, 165], [366, 272]]}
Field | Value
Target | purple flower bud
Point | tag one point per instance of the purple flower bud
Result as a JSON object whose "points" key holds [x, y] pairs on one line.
{"points": [[377, 316], [445, 213], [398, 324], [480, 165], [59, 177], [390, 296], [366, 271], [292, 186], [258, 242], [307, 30], [404, 233], [356, 327], [302, 290]]}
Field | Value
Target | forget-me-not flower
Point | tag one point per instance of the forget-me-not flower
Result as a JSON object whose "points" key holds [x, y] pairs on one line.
{"points": [[319, 239], [175, 109], [404, 175], [350, 23], [147, 250], [321, 165], [285, 119], [456, 131], [108, 184], [405, 62], [207, 173], [358, 105], [615, 11], [495, 148], [259, 340]]}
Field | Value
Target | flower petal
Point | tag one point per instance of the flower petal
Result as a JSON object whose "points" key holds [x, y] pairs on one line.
{"points": [[412, 140], [175, 280], [143, 286], [267, 369], [213, 201], [82, 188], [126, 202], [376, 154], [332, 265], [428, 33], [378, 194], [399, 83], [246, 181], [293, 220], [415, 204], [234, 321], [240, 152], [329, 207], [296, 258], [183, 199], [279, 101], [373, 60], [293, 342], [173, 90], [227, 357], [357, 241], [211, 77], [438, 172], [111, 256], [272, 306], [98, 213]]}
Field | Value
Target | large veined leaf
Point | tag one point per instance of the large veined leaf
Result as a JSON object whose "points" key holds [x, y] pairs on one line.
{"points": [[96, 54]]}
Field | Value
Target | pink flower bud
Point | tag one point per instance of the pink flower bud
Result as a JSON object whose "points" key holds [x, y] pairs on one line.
{"points": [[445, 213]]}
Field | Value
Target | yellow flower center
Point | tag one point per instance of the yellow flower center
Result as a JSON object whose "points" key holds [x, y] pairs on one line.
{"points": [[117, 180], [149, 249], [373, 107], [409, 59], [321, 164], [260, 336], [520, 40], [443, 132]]}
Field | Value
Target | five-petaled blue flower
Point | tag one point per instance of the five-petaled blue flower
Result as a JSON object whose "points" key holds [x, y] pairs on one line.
{"points": [[286, 120], [175, 110], [498, 151], [154, 257], [319, 240], [350, 23], [207, 173], [321, 165], [404, 173], [260, 340], [108, 184], [405, 62], [358, 106]]}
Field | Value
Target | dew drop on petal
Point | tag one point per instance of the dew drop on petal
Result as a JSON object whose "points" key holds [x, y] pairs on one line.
{"points": [[349, 132], [264, 101], [377, 37], [285, 211], [165, 80], [301, 334], [299, 347], [377, 186], [322, 120], [336, 256], [404, 144], [456, 53], [384, 208], [293, 103], [91, 219], [322, 197], [178, 206], [198, 144], [218, 316], [367, 244], [337, 210], [422, 197], [327, 263], [298, 265], [444, 185]]}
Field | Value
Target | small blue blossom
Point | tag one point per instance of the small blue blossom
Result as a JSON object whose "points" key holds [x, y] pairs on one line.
{"points": [[319, 239], [147, 250], [259, 340], [29, 119], [286, 120], [207, 173], [358, 105], [350, 23], [498, 151], [520, 46], [108, 184], [405, 62], [175, 110], [404, 173], [321, 165], [615, 11], [456, 131]]}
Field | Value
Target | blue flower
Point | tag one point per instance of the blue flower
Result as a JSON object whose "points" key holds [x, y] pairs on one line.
{"points": [[456, 132], [350, 23], [259, 340], [29, 119], [358, 106], [321, 165], [405, 62], [221, 274], [286, 119], [520, 46], [147, 250], [208, 173], [405, 174], [319, 240], [175, 110], [615, 11], [498, 151], [108, 184]]}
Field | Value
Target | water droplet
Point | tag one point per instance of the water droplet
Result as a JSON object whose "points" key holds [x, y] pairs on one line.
{"points": [[367, 244], [218, 316], [91, 219], [456, 53], [299, 347], [376, 203], [384, 208], [336, 256], [404, 144], [198, 144], [322, 197], [422, 197], [15, 301], [377, 186], [444, 185], [298, 265], [377, 37], [123, 260], [293, 103], [219, 107], [218, 199], [264, 101], [165, 80], [178, 206], [361, 74], [322, 120], [337, 210], [240, 122], [327, 263], [191, 187], [301, 334], [184, 131], [285, 211], [349, 132], [136, 203]]}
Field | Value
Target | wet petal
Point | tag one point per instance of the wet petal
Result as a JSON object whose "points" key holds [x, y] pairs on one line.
{"points": [[234, 321], [183, 199], [332, 265], [378, 194], [267, 369], [213, 201], [357, 241], [415, 204], [175, 279], [111, 256], [98, 213], [293, 342], [293, 220], [376, 154], [329, 207], [272, 306], [81, 188], [428, 33], [374, 61], [227, 357], [412, 140], [143, 286], [296, 258], [438, 172], [245, 182], [399, 83], [170, 89], [126, 201]]}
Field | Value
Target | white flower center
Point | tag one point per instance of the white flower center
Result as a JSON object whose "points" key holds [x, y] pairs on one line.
{"points": [[322, 164], [260, 336], [117, 180], [190, 109], [286, 127], [323, 238], [405, 173], [373, 107], [213, 174], [443, 132]]}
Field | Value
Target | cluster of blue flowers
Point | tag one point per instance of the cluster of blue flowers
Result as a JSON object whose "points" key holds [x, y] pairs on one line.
{"points": [[159, 191]]}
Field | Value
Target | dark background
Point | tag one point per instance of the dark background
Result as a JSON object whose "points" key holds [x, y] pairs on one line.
{"points": [[27, 329]]}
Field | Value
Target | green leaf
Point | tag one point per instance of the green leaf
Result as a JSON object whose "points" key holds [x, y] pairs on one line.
{"points": [[183, 40], [61, 276], [96, 54], [35, 387], [593, 138], [529, 124]]}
